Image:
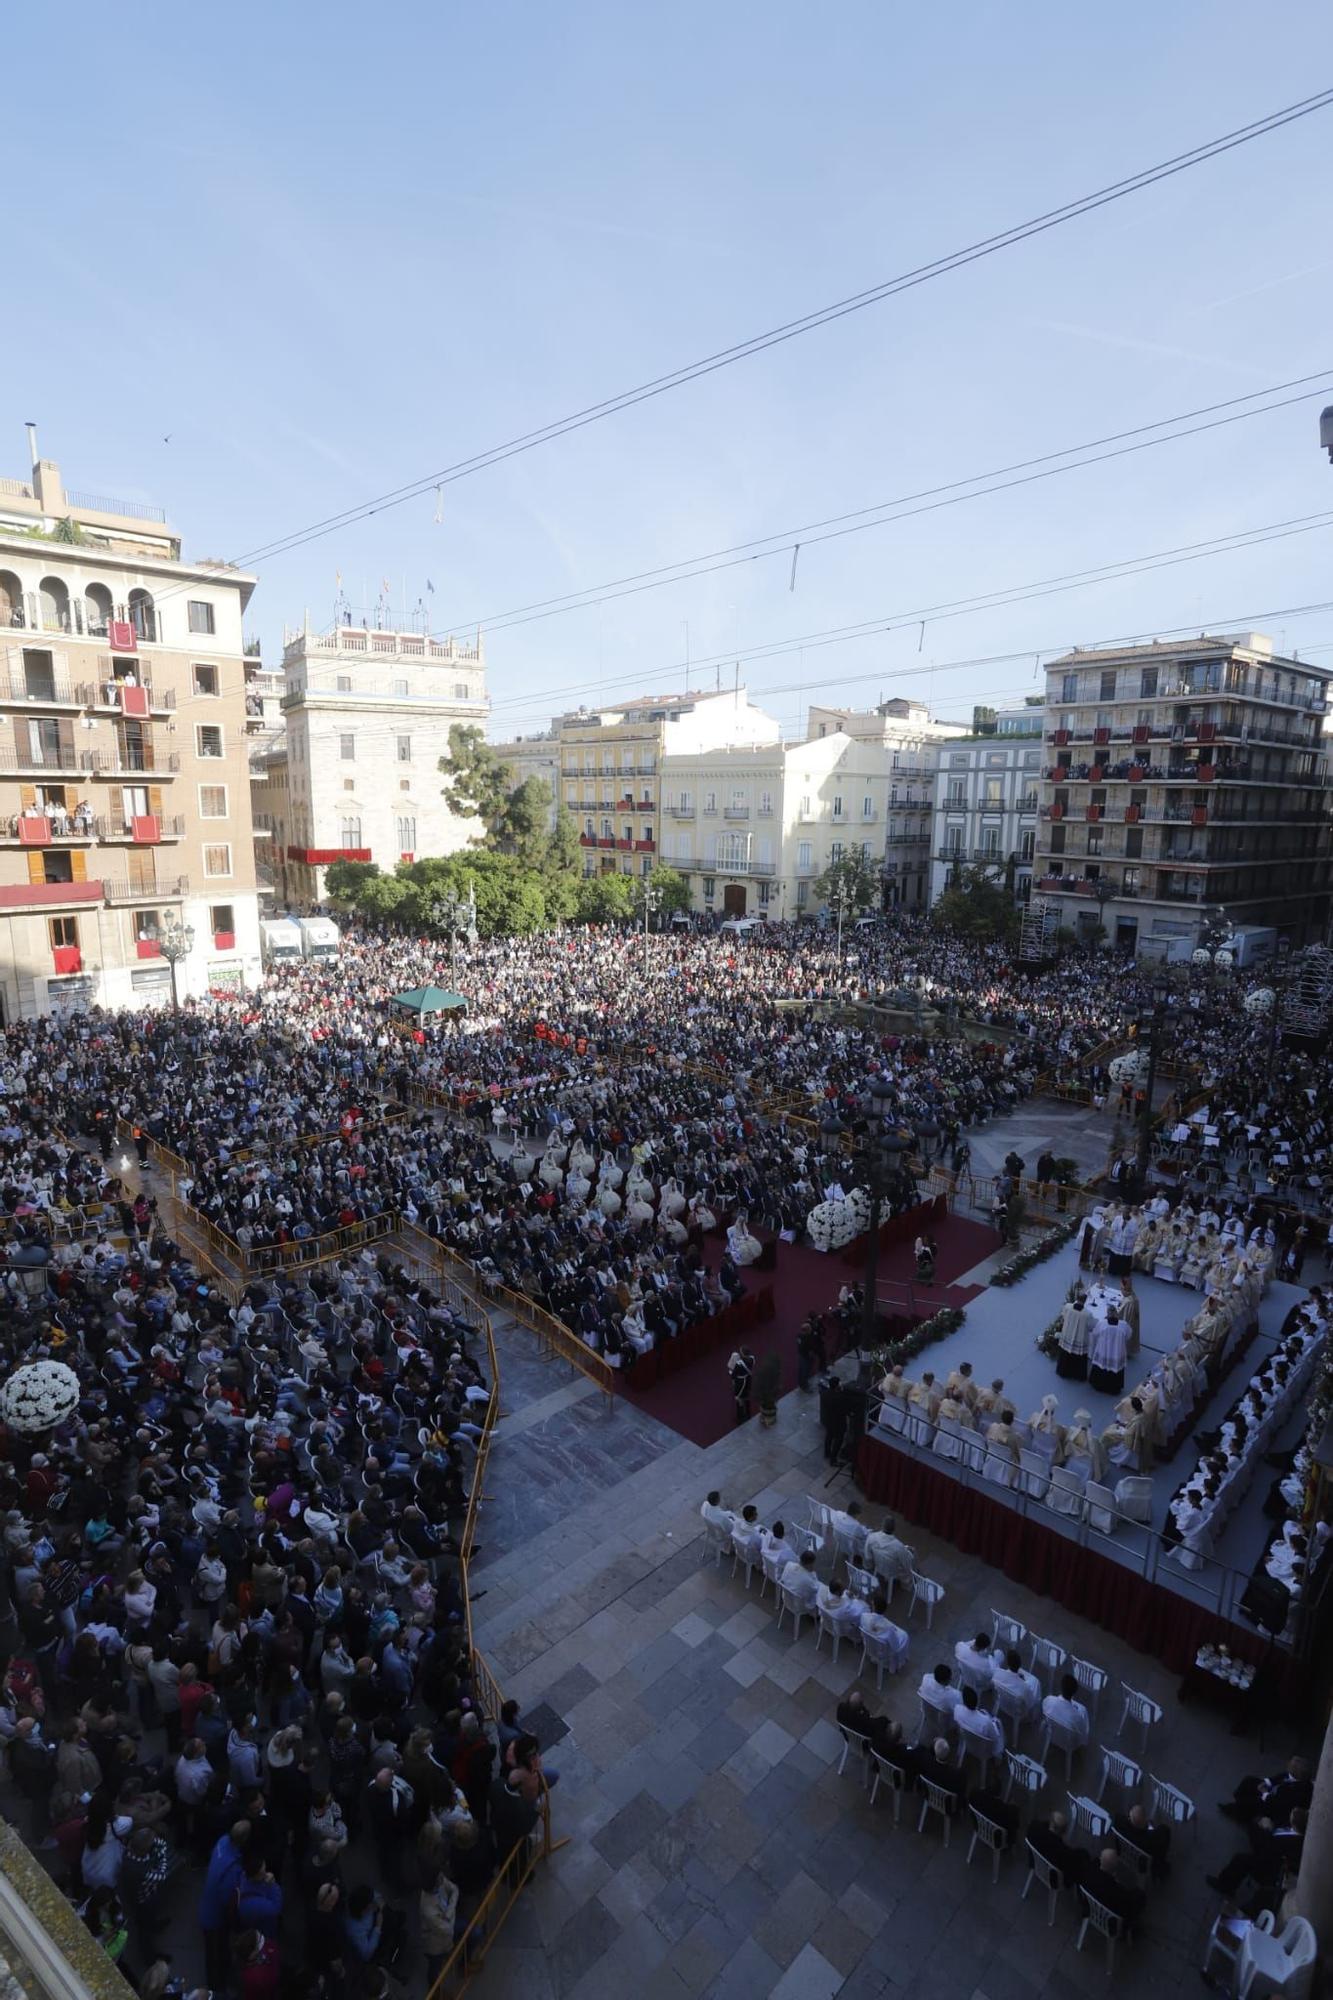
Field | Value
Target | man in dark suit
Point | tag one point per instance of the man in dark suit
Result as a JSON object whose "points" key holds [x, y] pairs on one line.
{"points": [[1271, 1798], [1137, 1830], [1047, 1838], [936, 1767], [1274, 1851], [1106, 1884]]}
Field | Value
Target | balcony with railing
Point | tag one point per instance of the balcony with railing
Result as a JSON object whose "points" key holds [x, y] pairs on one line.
{"points": [[171, 891], [681, 810], [112, 694], [65, 826], [735, 812], [37, 690], [129, 760], [145, 830]]}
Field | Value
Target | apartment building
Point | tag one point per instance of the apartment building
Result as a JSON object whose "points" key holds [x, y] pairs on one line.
{"points": [[534, 757], [986, 799], [1181, 780], [356, 776], [912, 741], [611, 761], [752, 829], [124, 789]]}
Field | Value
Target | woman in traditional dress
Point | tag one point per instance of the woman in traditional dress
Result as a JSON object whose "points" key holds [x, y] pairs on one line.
{"points": [[744, 1248]]}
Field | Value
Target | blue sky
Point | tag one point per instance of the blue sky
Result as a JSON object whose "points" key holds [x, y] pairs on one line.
{"points": [[326, 251]]}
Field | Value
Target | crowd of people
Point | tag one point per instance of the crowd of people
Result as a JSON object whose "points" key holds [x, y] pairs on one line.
{"points": [[238, 1681], [231, 1579]]}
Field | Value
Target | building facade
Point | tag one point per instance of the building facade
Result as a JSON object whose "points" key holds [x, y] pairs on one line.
{"points": [[752, 830], [611, 761], [912, 740], [1183, 781], [357, 778], [534, 757], [124, 785], [986, 799]]}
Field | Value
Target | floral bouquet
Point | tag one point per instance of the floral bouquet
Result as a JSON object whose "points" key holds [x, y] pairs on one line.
{"points": [[39, 1397]]}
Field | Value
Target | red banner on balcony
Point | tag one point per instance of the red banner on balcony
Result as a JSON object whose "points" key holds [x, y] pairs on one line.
{"points": [[147, 948], [145, 829], [133, 700], [224, 940], [67, 958], [122, 636], [34, 831]]}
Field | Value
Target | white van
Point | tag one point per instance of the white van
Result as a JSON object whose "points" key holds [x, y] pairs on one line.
{"points": [[741, 927]]}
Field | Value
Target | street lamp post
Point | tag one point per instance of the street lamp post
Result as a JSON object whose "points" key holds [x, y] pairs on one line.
{"points": [[176, 943], [1161, 1002], [884, 1147], [457, 916], [837, 902], [650, 895]]}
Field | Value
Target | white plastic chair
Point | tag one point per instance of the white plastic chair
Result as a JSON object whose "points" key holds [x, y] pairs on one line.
{"points": [[1056, 1736], [1086, 1816], [1015, 1711], [862, 1583], [718, 1539], [948, 1438], [1133, 1857], [917, 1427], [772, 1567], [816, 1516], [972, 1744], [1175, 1807], [1034, 1474], [849, 1542], [1133, 1498], [1065, 1494], [1025, 1772], [889, 1774], [996, 1838], [935, 1799], [933, 1718], [831, 1627], [1102, 1516], [805, 1538], [1052, 1881], [1046, 1660], [1001, 1469], [740, 1557], [792, 1603], [890, 1651], [854, 1739], [1093, 1682], [1006, 1631], [1285, 1962], [926, 1591], [1103, 1921], [1117, 1769], [972, 1675], [1141, 1710]]}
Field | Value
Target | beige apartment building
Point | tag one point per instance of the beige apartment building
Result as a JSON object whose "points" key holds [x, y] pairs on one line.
{"points": [[611, 760], [911, 740], [355, 774], [752, 830], [124, 787]]}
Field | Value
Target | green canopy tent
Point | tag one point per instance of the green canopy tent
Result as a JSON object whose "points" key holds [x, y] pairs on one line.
{"points": [[423, 1002]]}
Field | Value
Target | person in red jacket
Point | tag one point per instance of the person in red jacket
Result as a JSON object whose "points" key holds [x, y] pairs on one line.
{"points": [[257, 1965]]}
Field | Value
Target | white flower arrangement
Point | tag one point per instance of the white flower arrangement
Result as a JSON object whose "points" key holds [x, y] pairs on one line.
{"points": [[39, 1396], [830, 1225], [1259, 1001]]}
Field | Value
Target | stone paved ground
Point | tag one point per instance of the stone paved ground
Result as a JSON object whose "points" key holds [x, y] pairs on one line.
{"points": [[714, 1849]]}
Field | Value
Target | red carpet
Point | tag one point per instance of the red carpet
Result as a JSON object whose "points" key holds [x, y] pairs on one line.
{"points": [[697, 1403]]}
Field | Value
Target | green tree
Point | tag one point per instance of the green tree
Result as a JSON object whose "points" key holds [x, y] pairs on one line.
{"points": [[564, 852], [976, 907], [853, 877], [383, 896], [605, 899], [673, 891], [510, 897], [345, 880], [525, 827], [477, 781]]}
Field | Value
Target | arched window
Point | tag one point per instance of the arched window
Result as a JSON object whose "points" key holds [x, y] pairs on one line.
{"points": [[351, 832], [96, 610], [142, 616], [11, 599], [55, 605]]}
